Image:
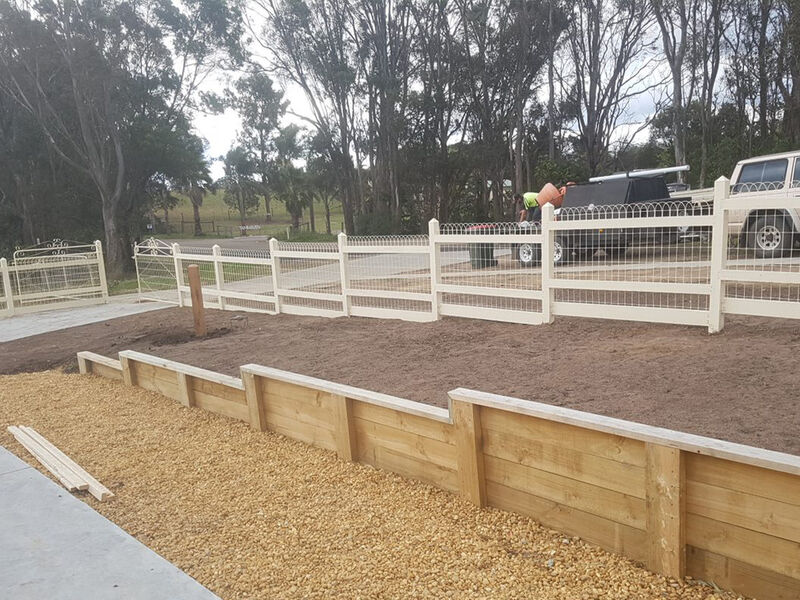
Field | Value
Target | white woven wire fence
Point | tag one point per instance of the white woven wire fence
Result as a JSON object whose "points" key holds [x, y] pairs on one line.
{"points": [[387, 276], [644, 261], [308, 278], [54, 274], [489, 270], [675, 262], [761, 272]]}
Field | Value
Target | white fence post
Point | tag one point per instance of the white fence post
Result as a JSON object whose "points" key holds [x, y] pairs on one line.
{"points": [[273, 248], [7, 292], [719, 256], [101, 269], [436, 266], [548, 250], [345, 276], [176, 250], [219, 275]]}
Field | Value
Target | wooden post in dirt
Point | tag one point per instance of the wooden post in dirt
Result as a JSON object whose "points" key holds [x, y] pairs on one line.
{"points": [[196, 290]]}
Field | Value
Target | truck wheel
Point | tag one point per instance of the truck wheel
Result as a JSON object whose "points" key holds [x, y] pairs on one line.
{"points": [[528, 254], [562, 253], [771, 237]]}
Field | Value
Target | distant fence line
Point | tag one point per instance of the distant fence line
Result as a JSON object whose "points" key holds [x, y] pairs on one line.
{"points": [[661, 262], [50, 275], [681, 504]]}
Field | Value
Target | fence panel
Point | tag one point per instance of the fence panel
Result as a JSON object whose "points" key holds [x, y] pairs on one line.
{"points": [[387, 276], [761, 275], [489, 271], [308, 278], [55, 274], [645, 262]]}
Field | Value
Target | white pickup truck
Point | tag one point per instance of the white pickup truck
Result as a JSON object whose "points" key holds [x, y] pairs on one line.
{"points": [[769, 232]]}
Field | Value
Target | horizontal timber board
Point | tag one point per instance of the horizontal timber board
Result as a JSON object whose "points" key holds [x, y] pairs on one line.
{"points": [[745, 510], [380, 457], [410, 444], [607, 534], [748, 479], [740, 577], [563, 461], [221, 406], [598, 443], [172, 365], [748, 546], [436, 430], [294, 393], [154, 382], [213, 388], [615, 506], [104, 370], [401, 404], [310, 414], [315, 436]]}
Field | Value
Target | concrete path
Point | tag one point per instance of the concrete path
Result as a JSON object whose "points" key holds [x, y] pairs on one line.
{"points": [[54, 546], [16, 327]]}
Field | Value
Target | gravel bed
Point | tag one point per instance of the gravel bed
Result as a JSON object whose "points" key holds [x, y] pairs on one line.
{"points": [[255, 515]]}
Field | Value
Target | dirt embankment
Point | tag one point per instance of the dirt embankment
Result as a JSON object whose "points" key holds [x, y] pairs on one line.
{"points": [[740, 385]]}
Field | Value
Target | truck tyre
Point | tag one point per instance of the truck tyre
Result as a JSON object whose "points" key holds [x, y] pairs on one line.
{"points": [[771, 236], [528, 254], [562, 254]]}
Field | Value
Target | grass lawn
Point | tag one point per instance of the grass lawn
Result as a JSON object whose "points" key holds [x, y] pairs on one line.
{"points": [[226, 221]]}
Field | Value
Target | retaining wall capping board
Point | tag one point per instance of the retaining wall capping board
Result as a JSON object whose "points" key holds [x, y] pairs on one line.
{"points": [[189, 370], [680, 503], [759, 457], [385, 400]]}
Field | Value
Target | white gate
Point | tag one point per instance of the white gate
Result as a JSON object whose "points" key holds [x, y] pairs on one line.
{"points": [[54, 274], [155, 271]]}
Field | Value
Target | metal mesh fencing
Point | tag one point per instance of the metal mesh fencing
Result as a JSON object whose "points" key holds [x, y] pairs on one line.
{"points": [[309, 277], [498, 272], [762, 262], [388, 274], [614, 263]]}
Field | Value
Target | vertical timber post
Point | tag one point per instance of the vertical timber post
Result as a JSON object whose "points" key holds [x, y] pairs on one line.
{"points": [[344, 428], [276, 262], [345, 276], [469, 451], [176, 252], [128, 375], [666, 510], [185, 391], [436, 266], [719, 256], [219, 275], [7, 293], [255, 401], [548, 250], [101, 269], [198, 312]]}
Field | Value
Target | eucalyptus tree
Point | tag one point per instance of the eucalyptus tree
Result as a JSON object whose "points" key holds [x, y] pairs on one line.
{"points": [[100, 79]]}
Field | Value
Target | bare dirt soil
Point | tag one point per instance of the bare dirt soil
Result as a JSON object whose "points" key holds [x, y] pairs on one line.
{"points": [[740, 385], [255, 515]]}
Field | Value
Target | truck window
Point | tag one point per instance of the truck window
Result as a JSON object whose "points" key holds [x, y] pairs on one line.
{"points": [[796, 176], [762, 176]]}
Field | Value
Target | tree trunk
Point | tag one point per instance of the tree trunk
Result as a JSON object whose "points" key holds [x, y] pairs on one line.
{"points": [[327, 204], [242, 211], [311, 218], [117, 254], [198, 228], [551, 91]]}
